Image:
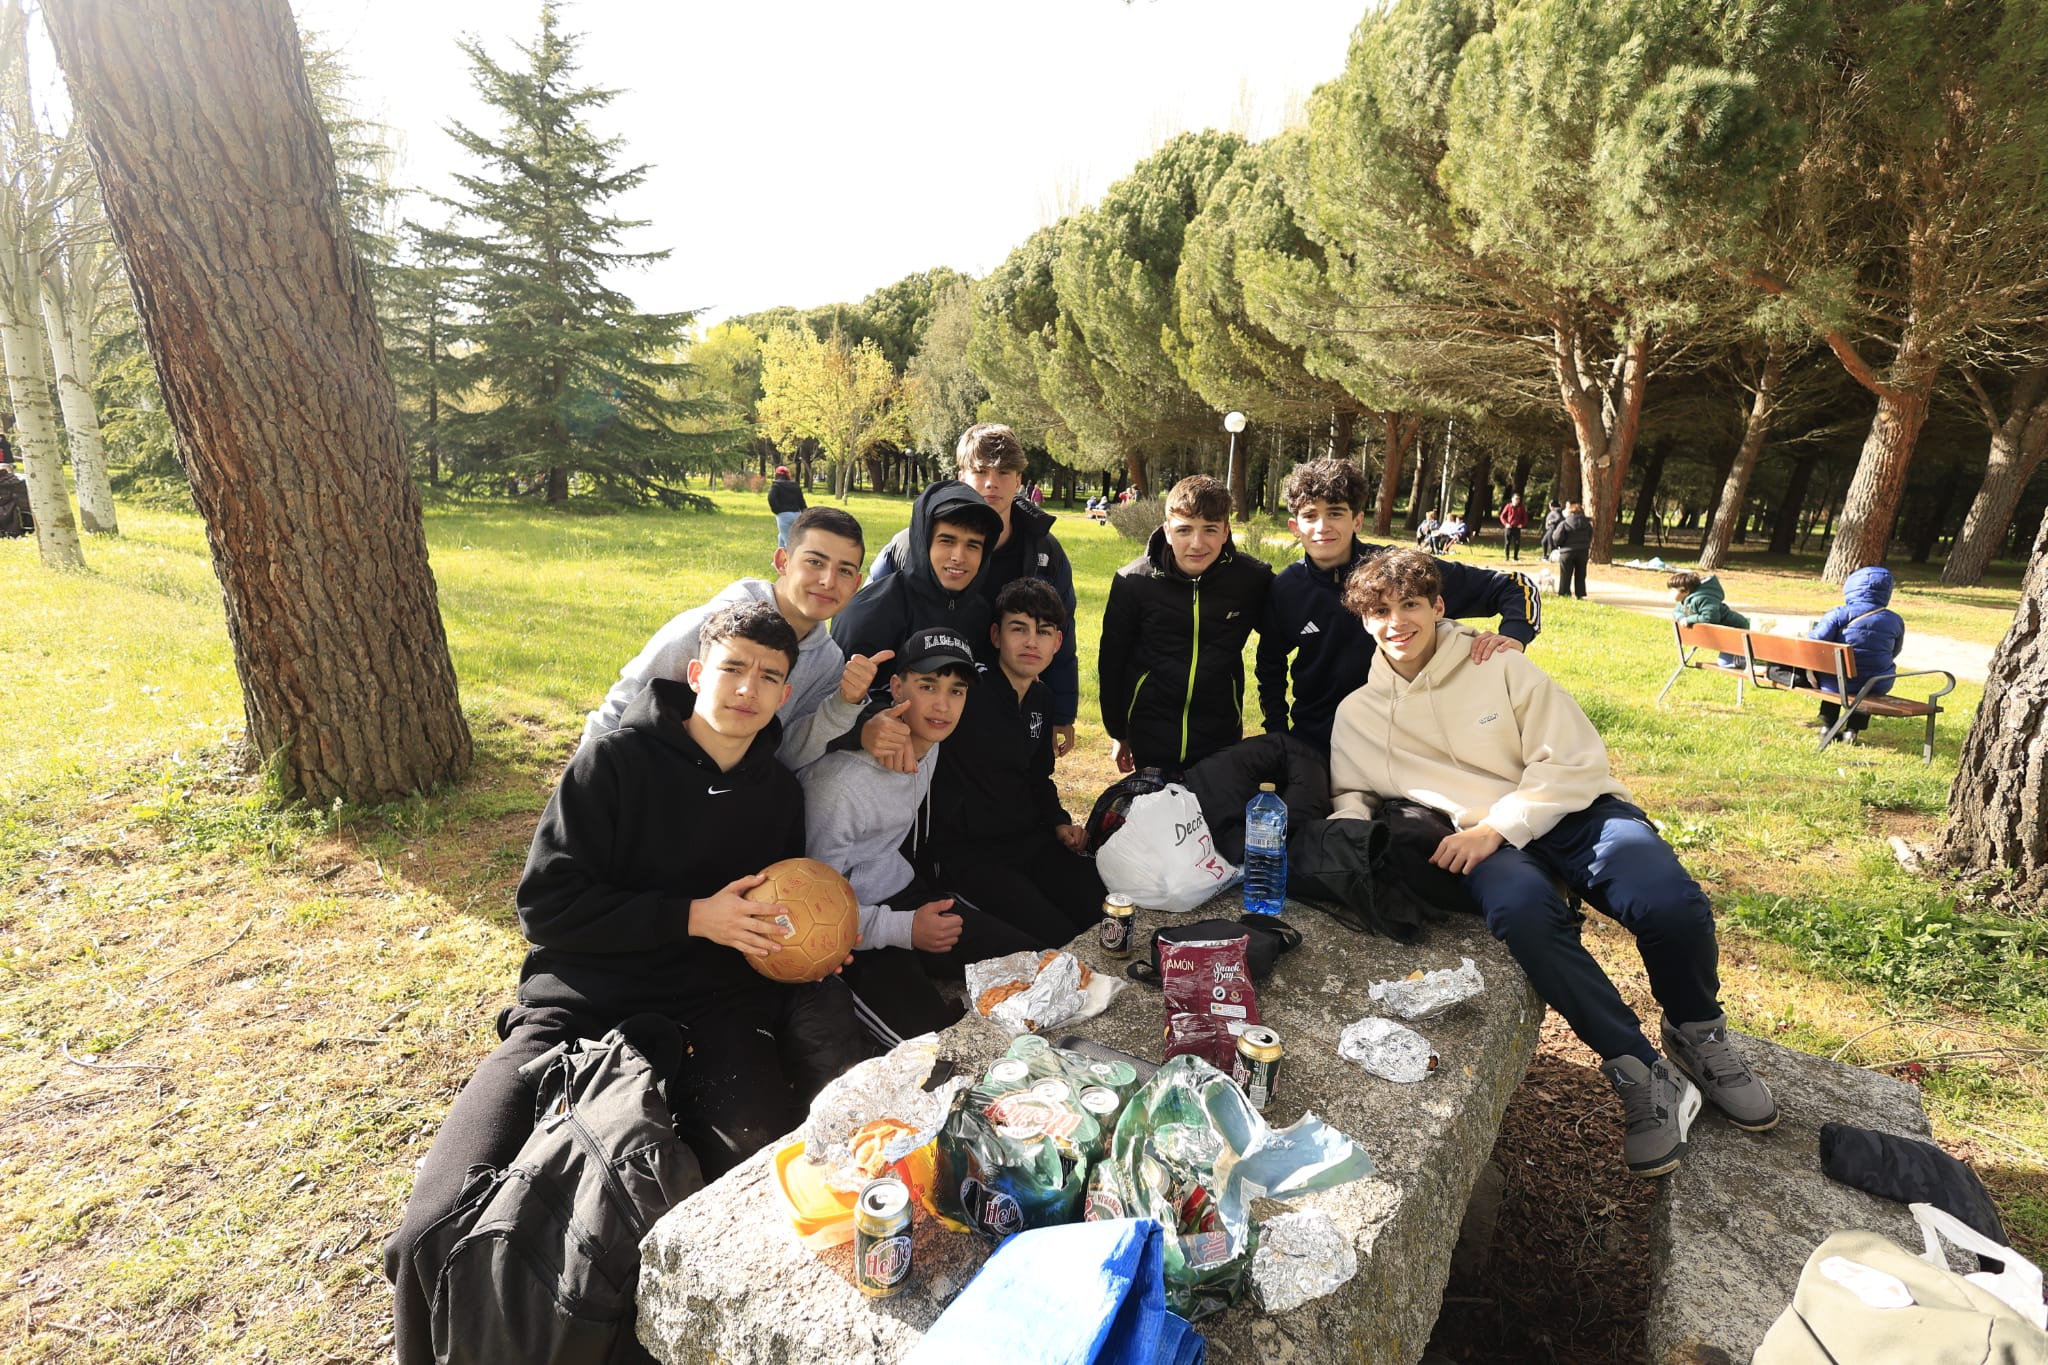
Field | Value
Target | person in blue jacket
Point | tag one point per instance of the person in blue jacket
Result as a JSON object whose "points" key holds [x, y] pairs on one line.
{"points": [[1305, 615], [1865, 623], [991, 461]]}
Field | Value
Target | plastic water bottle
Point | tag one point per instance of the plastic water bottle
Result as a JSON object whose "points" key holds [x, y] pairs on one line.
{"points": [[1265, 852]]}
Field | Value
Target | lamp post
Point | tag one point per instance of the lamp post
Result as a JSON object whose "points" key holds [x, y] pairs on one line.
{"points": [[1233, 422]]}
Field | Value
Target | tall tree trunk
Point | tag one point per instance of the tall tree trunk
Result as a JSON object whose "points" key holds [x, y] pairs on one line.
{"points": [[557, 485], [1424, 481], [1518, 482], [1343, 427], [1646, 496], [1564, 485], [1479, 494], [220, 189], [1237, 459], [1604, 400], [1401, 430], [1134, 471], [1998, 807], [1735, 490], [1785, 529], [1924, 519], [35, 427], [2018, 442], [1864, 529], [81, 413]]}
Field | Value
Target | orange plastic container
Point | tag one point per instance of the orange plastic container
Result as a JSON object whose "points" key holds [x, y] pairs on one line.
{"points": [[821, 1215]]}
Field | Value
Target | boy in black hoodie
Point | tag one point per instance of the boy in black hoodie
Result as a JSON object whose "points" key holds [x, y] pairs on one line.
{"points": [[991, 461], [1305, 615], [999, 836], [634, 901], [1171, 665]]}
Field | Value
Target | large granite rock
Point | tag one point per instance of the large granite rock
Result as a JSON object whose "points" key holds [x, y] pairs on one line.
{"points": [[1733, 1226], [725, 1280]]}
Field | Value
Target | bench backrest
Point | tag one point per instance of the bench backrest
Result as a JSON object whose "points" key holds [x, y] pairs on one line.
{"points": [[1824, 657], [1726, 639]]}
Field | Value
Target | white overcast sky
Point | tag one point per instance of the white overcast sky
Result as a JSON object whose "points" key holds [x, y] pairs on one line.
{"points": [[808, 152]]}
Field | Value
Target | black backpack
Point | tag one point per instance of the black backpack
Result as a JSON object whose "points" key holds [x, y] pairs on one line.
{"points": [[540, 1262]]}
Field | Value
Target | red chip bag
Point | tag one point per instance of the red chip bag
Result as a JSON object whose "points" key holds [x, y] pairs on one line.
{"points": [[1204, 1036], [1204, 976]]}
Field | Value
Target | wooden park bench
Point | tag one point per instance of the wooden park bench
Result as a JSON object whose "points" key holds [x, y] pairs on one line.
{"points": [[1701, 646]]}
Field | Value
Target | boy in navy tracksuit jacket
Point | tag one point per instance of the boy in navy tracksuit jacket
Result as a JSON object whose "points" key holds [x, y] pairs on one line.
{"points": [[1305, 615]]}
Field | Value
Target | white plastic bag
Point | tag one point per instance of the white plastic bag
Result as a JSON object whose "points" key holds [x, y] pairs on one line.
{"points": [[2018, 1286], [1161, 857]]}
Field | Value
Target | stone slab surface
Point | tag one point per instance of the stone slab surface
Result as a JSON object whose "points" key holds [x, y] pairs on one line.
{"points": [[725, 1280], [1733, 1226]]}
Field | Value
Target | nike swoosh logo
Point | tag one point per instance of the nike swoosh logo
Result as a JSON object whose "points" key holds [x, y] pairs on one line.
{"points": [[717, 791]]}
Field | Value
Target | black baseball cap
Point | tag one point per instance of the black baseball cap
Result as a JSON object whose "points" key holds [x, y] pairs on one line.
{"points": [[931, 649]]}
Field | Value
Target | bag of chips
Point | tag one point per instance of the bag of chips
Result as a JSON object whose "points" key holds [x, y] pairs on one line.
{"points": [[1209, 976]]}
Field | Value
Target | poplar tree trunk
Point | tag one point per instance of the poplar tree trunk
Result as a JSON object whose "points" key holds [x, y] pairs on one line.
{"points": [[2018, 444], [220, 189], [1863, 531], [81, 413], [1998, 808], [1735, 491], [35, 427]]}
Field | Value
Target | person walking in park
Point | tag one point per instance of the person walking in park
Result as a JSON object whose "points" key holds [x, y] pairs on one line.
{"points": [[785, 500], [1499, 796], [1575, 543], [991, 461], [1513, 518]]}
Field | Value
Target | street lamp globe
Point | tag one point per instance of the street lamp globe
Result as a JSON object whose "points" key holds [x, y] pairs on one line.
{"points": [[1233, 422]]}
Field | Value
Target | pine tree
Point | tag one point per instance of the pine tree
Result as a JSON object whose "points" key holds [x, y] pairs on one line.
{"points": [[561, 373]]}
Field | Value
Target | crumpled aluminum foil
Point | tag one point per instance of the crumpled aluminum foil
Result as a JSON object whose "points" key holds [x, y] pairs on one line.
{"points": [[1053, 997], [1301, 1256], [885, 1087], [1388, 1050], [1422, 996]]}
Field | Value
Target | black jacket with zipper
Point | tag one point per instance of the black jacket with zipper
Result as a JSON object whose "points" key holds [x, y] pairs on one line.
{"points": [[882, 614], [1171, 665], [993, 786], [643, 823]]}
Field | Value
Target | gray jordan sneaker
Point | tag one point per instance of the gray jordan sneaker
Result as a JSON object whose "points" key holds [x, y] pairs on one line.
{"points": [[1658, 1106], [1704, 1053]]}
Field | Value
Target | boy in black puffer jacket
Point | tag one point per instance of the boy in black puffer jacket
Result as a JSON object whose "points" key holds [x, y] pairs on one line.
{"points": [[1171, 665]]}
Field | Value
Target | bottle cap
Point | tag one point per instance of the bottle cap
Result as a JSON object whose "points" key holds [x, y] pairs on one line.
{"points": [[1266, 787]]}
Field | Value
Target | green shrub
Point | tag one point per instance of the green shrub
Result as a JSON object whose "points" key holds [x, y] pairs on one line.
{"points": [[1139, 519]]}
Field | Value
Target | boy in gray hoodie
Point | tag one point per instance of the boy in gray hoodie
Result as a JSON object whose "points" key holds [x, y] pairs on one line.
{"points": [[858, 815]]}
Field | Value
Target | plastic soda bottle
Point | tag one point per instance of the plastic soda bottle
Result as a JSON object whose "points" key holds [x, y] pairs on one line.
{"points": [[1265, 852]]}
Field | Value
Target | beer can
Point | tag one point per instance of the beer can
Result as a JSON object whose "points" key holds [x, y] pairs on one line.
{"points": [[1027, 1046], [1009, 1071], [1102, 1102], [1115, 932], [881, 1237], [1052, 1090], [1257, 1071]]}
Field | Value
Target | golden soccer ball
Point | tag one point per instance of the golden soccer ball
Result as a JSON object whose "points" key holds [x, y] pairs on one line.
{"points": [[821, 923]]}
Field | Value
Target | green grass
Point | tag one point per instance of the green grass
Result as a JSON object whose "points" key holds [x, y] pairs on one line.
{"points": [[316, 984]]}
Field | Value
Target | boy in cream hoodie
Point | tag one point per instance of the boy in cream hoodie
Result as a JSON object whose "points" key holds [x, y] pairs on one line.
{"points": [[1498, 788]]}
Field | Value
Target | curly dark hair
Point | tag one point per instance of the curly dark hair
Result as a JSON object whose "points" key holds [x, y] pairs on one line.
{"points": [[1330, 481], [1388, 577]]}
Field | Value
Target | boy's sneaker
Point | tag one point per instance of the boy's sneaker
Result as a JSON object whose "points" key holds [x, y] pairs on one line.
{"points": [[1658, 1106], [1704, 1053]]}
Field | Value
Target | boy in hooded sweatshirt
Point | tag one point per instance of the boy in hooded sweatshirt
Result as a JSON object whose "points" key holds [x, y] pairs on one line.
{"points": [[1171, 664], [1497, 787], [991, 461], [1866, 624], [634, 902], [1700, 599], [859, 815], [941, 589]]}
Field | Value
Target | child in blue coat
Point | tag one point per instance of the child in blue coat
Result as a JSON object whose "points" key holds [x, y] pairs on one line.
{"points": [[1865, 623]]}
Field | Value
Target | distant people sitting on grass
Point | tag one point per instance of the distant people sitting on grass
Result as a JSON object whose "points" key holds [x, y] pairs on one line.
{"points": [[1452, 534], [1497, 791], [1700, 599], [1875, 633], [816, 575], [1171, 661], [785, 500], [634, 901], [1306, 618], [1428, 530]]}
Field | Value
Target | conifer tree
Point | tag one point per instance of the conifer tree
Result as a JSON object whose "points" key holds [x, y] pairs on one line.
{"points": [[562, 373]]}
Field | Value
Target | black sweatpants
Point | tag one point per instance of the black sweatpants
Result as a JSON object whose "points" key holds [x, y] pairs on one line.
{"points": [[1831, 711], [1571, 573], [753, 1061], [1038, 887]]}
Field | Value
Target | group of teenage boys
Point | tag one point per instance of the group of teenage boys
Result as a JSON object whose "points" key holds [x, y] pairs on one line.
{"points": [[912, 746]]}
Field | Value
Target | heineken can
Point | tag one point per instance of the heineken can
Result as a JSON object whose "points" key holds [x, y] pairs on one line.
{"points": [[1114, 933], [1102, 1102], [1027, 1046], [1010, 1071], [1053, 1090], [881, 1237], [1257, 1072]]}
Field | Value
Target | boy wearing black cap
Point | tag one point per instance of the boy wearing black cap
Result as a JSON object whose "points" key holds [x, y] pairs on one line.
{"points": [[858, 817]]}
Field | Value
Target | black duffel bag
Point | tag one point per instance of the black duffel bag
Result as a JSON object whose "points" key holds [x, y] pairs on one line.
{"points": [[1267, 937]]}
